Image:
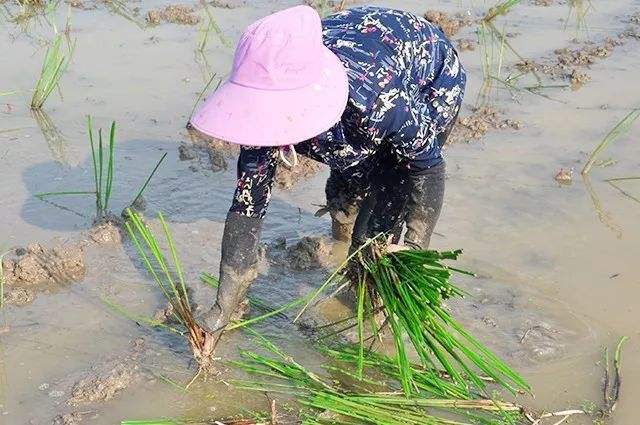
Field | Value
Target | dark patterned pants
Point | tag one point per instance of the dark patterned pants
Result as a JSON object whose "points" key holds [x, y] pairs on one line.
{"points": [[372, 198]]}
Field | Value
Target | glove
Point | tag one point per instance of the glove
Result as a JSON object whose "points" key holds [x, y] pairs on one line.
{"points": [[238, 268]]}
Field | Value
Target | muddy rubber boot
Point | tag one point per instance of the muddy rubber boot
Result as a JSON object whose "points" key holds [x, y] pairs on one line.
{"points": [[342, 225], [238, 268], [424, 206], [343, 203]]}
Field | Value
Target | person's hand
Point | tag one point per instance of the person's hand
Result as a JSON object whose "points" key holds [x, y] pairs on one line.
{"points": [[395, 248]]}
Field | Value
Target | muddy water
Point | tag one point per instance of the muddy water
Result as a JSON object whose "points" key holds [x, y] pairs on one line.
{"points": [[555, 283]]}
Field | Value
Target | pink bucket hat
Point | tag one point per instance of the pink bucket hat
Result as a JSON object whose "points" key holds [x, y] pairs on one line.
{"points": [[285, 86]]}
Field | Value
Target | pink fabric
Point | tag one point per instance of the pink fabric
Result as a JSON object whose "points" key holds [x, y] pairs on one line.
{"points": [[285, 86]]}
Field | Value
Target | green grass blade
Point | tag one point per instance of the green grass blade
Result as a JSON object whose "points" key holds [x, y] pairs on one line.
{"points": [[101, 209], [620, 129], [110, 168], [146, 183]]}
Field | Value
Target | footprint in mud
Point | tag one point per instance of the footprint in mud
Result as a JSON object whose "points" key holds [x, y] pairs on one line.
{"points": [[516, 320]]}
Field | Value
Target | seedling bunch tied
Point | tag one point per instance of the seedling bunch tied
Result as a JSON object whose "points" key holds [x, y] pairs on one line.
{"points": [[409, 288]]}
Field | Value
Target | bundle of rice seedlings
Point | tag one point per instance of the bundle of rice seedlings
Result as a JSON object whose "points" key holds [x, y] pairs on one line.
{"points": [[340, 400], [54, 65], [409, 288], [170, 280]]}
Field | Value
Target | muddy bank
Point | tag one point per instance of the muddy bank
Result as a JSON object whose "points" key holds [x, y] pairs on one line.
{"points": [[36, 268], [572, 63], [449, 24], [481, 120], [173, 14]]}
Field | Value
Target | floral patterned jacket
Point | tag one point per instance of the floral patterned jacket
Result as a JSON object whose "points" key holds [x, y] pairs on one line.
{"points": [[405, 87]]}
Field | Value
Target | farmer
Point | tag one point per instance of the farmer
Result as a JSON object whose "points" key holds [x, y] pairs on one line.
{"points": [[371, 92]]}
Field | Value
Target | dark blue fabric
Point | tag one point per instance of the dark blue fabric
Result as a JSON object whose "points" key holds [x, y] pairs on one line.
{"points": [[406, 85]]}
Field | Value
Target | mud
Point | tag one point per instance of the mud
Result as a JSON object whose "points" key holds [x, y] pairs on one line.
{"points": [[545, 3], [450, 24], [173, 14], [479, 123], [74, 418], [466, 44], [310, 252], [37, 265], [228, 4], [569, 63], [216, 155], [104, 381], [108, 232]]}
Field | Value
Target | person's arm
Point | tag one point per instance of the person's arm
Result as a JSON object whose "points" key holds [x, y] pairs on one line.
{"points": [[256, 173]]}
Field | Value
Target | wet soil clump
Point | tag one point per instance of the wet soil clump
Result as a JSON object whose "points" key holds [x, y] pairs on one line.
{"points": [[311, 252], [479, 123], [106, 232], [466, 44], [215, 155], [103, 382], [449, 24], [173, 14], [36, 267]]}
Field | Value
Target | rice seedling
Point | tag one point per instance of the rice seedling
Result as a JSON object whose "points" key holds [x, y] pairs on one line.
{"points": [[103, 163], [169, 277], [211, 25], [119, 7], [203, 91], [612, 379], [103, 183], [55, 63], [56, 141], [579, 8], [147, 181], [500, 9], [615, 183], [616, 132], [603, 215], [409, 287], [281, 373], [170, 280]]}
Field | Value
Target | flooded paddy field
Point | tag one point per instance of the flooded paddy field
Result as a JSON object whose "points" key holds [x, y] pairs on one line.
{"points": [[555, 253]]}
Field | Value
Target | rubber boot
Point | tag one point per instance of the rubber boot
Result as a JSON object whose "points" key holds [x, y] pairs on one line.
{"points": [[238, 269]]}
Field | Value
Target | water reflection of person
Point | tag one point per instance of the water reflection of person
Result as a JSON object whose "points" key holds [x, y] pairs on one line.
{"points": [[371, 92]]}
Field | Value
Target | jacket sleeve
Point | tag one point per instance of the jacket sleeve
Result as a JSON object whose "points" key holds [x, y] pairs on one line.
{"points": [[256, 174]]}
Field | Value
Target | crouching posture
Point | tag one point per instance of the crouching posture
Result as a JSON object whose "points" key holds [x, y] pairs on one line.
{"points": [[371, 92]]}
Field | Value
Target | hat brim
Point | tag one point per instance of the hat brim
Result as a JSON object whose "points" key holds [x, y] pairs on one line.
{"points": [[249, 116]]}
